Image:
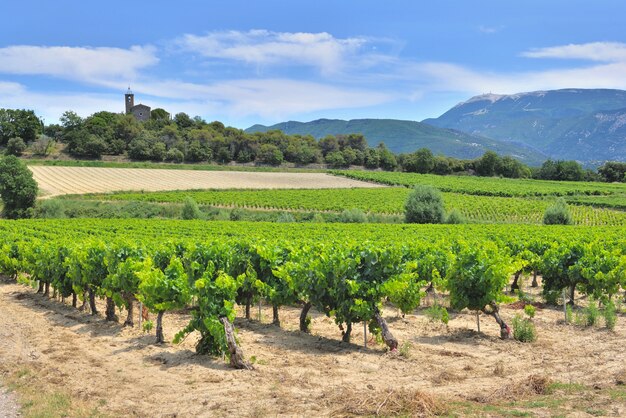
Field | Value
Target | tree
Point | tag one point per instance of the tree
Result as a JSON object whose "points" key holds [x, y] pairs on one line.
{"points": [[612, 171], [270, 154], [424, 206], [421, 161], [15, 146], [19, 123], [488, 164], [18, 189]]}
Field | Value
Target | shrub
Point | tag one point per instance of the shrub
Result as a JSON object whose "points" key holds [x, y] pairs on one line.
{"points": [[438, 313], [355, 216], [236, 214], [43, 146], [530, 311], [455, 217], [285, 217], [335, 159], [190, 209], [610, 316], [15, 146], [558, 214], [318, 218], [424, 206], [50, 208], [270, 154], [174, 155], [591, 314], [524, 330]]}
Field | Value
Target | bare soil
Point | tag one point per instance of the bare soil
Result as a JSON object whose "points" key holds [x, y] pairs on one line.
{"points": [[55, 181], [296, 374]]}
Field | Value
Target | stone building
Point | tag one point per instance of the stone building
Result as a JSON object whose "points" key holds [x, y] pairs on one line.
{"points": [[140, 112]]}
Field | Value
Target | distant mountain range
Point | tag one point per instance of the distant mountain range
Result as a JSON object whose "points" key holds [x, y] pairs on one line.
{"points": [[587, 125], [573, 124], [408, 136]]}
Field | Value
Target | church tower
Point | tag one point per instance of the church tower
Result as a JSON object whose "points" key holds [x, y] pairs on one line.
{"points": [[130, 100]]}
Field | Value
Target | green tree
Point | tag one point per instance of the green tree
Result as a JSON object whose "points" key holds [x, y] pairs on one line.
{"points": [[488, 164], [424, 205], [270, 154], [15, 146], [421, 161], [19, 123], [18, 189]]}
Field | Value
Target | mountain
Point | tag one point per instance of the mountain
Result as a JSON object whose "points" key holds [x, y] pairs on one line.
{"points": [[578, 124], [407, 136]]}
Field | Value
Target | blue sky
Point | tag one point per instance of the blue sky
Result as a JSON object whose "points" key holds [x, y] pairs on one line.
{"points": [[246, 62]]}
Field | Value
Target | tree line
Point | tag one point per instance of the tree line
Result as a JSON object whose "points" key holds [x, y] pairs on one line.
{"points": [[193, 140]]}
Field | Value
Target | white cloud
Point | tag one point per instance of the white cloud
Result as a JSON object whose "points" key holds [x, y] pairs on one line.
{"points": [[593, 51], [490, 30], [76, 63], [269, 98], [451, 77], [262, 47]]}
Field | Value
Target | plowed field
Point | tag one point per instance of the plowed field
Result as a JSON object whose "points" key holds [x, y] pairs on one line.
{"points": [[55, 181]]}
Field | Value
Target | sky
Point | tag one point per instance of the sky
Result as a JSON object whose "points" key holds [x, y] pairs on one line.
{"points": [[269, 61]]}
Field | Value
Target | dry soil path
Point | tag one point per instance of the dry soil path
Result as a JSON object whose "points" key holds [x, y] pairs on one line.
{"points": [[8, 405], [55, 181]]}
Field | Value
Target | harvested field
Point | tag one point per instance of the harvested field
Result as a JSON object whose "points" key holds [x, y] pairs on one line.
{"points": [[49, 347], [54, 181]]}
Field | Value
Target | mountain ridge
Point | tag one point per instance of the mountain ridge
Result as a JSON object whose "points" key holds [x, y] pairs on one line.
{"points": [[580, 124]]}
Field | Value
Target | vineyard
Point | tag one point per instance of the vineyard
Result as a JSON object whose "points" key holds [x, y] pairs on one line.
{"points": [[488, 186], [303, 278], [316, 316], [385, 200], [344, 272]]}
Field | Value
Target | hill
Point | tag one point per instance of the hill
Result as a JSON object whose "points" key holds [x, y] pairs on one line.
{"points": [[403, 136], [584, 125]]}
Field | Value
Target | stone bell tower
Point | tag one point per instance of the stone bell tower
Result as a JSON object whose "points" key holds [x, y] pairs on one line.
{"points": [[129, 97]]}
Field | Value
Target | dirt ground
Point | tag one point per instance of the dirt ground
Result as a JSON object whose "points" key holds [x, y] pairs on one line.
{"points": [[55, 181], [120, 372]]}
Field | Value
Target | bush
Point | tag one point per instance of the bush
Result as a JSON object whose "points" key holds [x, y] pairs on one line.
{"points": [[43, 146], [591, 314], [335, 159], [610, 316], [524, 329], [530, 311], [558, 214], [270, 154], [318, 218], [354, 216], [174, 155], [190, 209], [18, 189], [236, 214], [50, 208], [438, 313], [424, 206], [15, 146], [455, 217], [285, 217]]}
